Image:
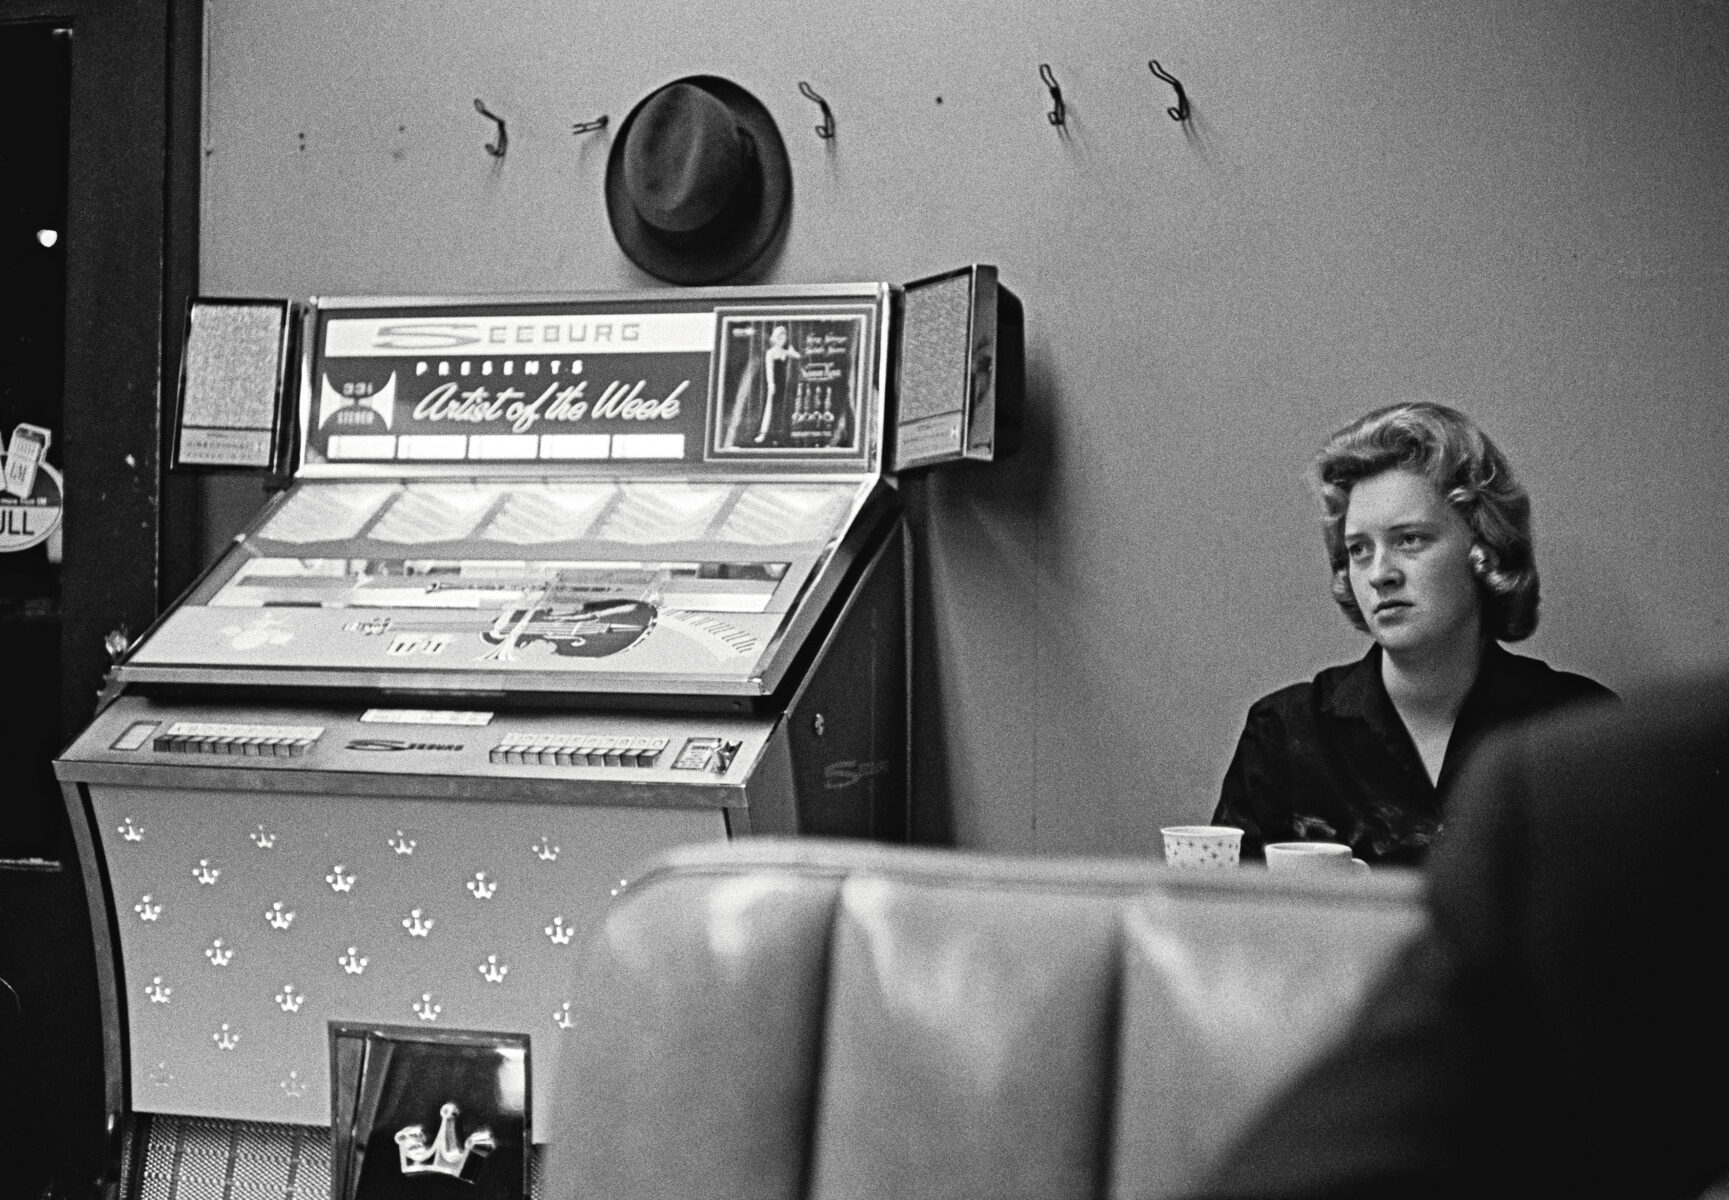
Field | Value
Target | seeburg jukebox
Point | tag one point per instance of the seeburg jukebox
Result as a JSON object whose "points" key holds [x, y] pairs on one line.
{"points": [[551, 584]]}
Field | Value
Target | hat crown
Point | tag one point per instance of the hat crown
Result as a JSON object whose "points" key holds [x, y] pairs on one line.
{"points": [[685, 159], [698, 183]]}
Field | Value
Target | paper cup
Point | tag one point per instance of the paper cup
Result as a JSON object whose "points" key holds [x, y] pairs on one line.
{"points": [[1314, 857], [1202, 845]]}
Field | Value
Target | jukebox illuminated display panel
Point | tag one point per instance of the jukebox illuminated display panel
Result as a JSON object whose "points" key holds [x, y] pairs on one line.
{"points": [[555, 584]]}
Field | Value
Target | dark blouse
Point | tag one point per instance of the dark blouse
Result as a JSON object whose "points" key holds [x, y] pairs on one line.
{"points": [[1330, 760]]}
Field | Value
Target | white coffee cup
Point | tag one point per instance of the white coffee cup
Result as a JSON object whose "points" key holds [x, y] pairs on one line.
{"points": [[1202, 845], [1313, 857]]}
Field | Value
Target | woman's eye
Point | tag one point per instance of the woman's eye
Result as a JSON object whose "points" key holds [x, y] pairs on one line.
{"points": [[1357, 551], [1413, 540]]}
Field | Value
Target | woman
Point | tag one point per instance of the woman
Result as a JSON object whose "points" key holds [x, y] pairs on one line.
{"points": [[778, 369], [1429, 538]]}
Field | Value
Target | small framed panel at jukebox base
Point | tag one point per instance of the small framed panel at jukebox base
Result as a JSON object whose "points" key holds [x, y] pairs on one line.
{"points": [[424, 1114]]}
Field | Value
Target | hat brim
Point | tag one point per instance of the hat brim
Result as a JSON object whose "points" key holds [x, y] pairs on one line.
{"points": [[720, 258]]}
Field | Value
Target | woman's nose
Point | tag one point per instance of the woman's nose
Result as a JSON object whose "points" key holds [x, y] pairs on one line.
{"points": [[1383, 571]]}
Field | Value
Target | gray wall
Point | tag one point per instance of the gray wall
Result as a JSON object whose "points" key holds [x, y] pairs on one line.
{"points": [[1517, 208]]}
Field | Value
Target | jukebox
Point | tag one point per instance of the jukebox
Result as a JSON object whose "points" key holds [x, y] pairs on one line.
{"points": [[551, 584]]}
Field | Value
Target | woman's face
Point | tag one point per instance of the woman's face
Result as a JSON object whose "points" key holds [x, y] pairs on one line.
{"points": [[1408, 555]]}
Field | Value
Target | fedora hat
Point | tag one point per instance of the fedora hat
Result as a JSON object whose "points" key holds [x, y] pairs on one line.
{"points": [[698, 183]]}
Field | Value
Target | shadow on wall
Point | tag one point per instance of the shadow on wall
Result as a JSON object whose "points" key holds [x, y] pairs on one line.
{"points": [[957, 515], [1593, 619]]}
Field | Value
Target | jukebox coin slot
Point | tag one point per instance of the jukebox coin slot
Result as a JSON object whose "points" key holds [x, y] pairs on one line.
{"points": [[706, 754], [137, 735]]}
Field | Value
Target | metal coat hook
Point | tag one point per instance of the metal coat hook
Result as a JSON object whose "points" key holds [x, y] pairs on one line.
{"points": [[1181, 111], [1058, 115], [497, 151], [825, 131], [589, 126]]}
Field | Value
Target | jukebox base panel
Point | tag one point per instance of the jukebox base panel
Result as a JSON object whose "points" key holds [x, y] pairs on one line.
{"points": [[248, 920]]}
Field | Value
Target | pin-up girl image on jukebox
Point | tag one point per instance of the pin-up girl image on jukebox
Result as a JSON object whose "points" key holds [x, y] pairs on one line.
{"points": [[551, 585], [789, 382]]}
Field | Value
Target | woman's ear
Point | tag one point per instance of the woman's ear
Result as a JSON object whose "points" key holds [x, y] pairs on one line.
{"points": [[1483, 561]]}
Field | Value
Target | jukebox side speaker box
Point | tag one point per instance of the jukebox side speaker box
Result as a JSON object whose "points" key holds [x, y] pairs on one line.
{"points": [[235, 385], [960, 369]]}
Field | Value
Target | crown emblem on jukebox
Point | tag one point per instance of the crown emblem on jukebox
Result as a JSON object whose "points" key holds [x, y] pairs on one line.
{"points": [[338, 881], [279, 916], [289, 1000], [353, 962], [402, 843], [417, 925], [444, 1156], [482, 887], [559, 932], [130, 831], [263, 838], [545, 851], [492, 970], [205, 873]]}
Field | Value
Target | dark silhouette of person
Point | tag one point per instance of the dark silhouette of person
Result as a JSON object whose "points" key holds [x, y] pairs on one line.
{"points": [[1553, 1030]]}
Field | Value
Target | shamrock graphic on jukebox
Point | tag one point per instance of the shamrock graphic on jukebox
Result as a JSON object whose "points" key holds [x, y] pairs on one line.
{"points": [[31, 498]]}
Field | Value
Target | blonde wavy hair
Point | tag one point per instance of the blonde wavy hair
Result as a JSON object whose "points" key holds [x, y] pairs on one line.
{"points": [[1471, 474]]}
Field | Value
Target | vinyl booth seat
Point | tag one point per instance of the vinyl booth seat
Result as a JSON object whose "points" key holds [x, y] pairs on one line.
{"points": [[774, 1019]]}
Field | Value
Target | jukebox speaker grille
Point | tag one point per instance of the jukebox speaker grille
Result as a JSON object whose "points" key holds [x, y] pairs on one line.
{"points": [[232, 384], [936, 349], [202, 1158]]}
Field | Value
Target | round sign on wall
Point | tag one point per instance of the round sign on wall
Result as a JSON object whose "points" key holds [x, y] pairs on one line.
{"points": [[28, 520]]}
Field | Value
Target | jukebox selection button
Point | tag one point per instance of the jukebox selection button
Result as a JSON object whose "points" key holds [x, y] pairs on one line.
{"points": [[229, 740], [578, 750]]}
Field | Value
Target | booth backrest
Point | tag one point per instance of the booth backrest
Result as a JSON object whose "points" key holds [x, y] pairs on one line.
{"points": [[782, 1020]]}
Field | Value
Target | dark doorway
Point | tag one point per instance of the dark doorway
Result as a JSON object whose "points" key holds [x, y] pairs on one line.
{"points": [[35, 78], [97, 223]]}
